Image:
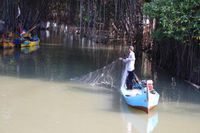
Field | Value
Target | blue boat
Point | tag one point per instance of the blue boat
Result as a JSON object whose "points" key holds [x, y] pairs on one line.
{"points": [[142, 96]]}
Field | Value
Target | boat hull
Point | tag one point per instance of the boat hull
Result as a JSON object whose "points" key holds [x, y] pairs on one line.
{"points": [[141, 99], [6, 45], [30, 43]]}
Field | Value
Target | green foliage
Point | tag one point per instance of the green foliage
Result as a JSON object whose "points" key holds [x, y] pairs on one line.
{"points": [[178, 19]]}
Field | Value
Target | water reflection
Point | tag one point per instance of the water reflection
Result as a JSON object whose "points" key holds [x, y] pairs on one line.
{"points": [[44, 34], [12, 60], [58, 60], [9, 59], [137, 121], [27, 50], [6, 52], [173, 84]]}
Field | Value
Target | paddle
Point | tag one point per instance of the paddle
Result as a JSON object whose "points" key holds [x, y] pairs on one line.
{"points": [[32, 28]]}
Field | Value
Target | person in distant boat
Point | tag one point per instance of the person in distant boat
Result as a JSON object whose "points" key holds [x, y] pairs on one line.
{"points": [[130, 67]]}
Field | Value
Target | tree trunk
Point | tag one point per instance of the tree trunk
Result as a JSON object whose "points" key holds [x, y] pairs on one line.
{"points": [[139, 28]]}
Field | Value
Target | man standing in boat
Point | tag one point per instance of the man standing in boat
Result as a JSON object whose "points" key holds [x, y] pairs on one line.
{"points": [[130, 67]]}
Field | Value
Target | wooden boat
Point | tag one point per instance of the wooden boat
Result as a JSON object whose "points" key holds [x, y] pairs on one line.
{"points": [[142, 96], [6, 45]]}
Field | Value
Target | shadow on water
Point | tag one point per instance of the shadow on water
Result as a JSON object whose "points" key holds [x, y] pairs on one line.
{"points": [[176, 90], [171, 89]]}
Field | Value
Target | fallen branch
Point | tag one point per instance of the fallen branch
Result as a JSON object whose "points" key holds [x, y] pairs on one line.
{"points": [[194, 85]]}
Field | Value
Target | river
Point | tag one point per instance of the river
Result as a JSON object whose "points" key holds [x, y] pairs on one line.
{"points": [[37, 94]]}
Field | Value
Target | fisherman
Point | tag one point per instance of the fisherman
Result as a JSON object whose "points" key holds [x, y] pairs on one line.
{"points": [[130, 67]]}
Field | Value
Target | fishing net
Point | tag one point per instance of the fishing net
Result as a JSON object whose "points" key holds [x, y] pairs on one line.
{"points": [[109, 76]]}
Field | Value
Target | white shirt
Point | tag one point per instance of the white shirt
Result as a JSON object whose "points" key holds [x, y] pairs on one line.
{"points": [[130, 61]]}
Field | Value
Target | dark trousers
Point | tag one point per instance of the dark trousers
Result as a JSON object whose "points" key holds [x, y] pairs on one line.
{"points": [[129, 80]]}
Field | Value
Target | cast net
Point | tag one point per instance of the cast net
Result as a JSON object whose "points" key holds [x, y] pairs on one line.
{"points": [[108, 76]]}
